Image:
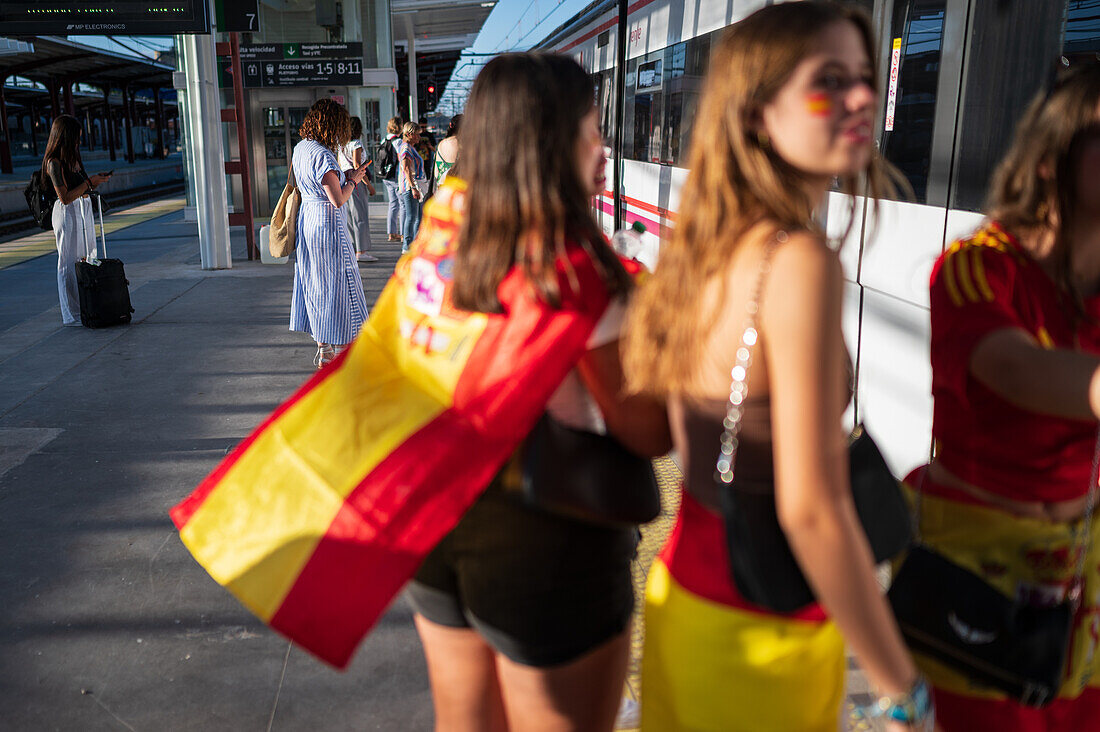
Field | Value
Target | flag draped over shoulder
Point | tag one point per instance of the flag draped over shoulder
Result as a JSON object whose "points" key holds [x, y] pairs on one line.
{"points": [[317, 519]]}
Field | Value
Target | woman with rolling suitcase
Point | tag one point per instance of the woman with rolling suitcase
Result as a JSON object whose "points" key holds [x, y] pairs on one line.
{"points": [[73, 225]]}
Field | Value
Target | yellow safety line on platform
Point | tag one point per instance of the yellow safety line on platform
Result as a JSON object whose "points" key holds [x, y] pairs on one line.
{"points": [[35, 245]]}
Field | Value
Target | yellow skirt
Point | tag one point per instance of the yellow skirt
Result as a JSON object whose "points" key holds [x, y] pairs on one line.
{"points": [[709, 666]]}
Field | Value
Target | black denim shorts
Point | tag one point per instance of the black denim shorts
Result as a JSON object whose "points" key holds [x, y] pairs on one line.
{"points": [[542, 589]]}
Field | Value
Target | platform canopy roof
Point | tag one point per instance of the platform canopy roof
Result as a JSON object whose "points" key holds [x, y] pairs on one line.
{"points": [[50, 58], [439, 25]]}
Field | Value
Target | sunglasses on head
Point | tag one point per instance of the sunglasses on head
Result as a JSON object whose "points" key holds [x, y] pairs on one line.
{"points": [[1067, 67]]}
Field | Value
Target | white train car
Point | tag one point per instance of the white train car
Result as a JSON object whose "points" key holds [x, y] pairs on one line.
{"points": [[956, 76]]}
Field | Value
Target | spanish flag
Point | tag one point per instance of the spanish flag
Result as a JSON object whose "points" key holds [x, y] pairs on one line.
{"points": [[317, 519]]}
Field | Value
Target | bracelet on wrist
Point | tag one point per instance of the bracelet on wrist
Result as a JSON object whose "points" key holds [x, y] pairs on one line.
{"points": [[913, 708]]}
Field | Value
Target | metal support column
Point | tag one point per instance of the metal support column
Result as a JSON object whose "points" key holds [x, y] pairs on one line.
{"points": [[414, 103], [240, 166], [5, 134], [620, 110], [128, 121], [205, 139], [70, 107], [159, 110], [33, 108], [108, 123], [55, 98]]}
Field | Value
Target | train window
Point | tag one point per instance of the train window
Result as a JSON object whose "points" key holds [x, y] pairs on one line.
{"points": [[915, 39], [1011, 51], [661, 97]]}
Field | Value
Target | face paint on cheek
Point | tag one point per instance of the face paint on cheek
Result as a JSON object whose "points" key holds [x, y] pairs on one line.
{"points": [[819, 104]]}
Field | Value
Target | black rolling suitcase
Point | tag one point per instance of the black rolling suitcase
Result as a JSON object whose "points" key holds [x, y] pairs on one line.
{"points": [[102, 284]]}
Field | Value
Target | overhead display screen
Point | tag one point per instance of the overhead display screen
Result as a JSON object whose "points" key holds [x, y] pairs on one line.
{"points": [[102, 17]]}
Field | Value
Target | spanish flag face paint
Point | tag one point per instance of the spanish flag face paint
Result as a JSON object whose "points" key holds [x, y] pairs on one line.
{"points": [[819, 104]]}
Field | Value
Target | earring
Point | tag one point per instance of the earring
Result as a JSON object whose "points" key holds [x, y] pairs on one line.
{"points": [[1042, 211], [763, 140]]}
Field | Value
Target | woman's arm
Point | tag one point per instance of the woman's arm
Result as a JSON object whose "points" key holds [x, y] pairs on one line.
{"points": [[338, 194], [639, 422], [805, 357], [409, 172], [1057, 381], [357, 157]]}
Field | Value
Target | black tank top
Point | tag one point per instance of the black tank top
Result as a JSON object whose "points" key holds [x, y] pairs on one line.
{"points": [[71, 177]]}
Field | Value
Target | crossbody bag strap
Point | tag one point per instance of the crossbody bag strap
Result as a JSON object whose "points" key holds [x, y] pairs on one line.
{"points": [[1085, 540], [727, 456]]}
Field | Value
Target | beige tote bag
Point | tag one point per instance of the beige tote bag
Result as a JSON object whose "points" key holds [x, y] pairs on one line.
{"points": [[284, 220]]}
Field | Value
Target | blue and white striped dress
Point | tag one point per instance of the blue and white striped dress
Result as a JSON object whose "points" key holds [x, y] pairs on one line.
{"points": [[328, 301]]}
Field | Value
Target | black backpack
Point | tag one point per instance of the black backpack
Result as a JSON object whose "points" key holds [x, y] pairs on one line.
{"points": [[40, 195], [387, 161]]}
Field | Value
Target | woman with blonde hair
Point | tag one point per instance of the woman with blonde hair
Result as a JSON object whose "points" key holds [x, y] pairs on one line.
{"points": [[1016, 383], [327, 301], [748, 286], [388, 170]]}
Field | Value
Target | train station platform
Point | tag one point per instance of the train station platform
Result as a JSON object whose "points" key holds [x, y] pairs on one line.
{"points": [[107, 622]]}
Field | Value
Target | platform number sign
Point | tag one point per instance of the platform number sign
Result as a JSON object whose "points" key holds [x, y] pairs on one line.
{"points": [[238, 16], [892, 91]]}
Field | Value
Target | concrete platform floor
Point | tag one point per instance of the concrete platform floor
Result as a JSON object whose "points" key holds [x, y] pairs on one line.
{"points": [[106, 623]]}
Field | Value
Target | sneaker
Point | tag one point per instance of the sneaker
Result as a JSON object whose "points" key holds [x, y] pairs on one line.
{"points": [[404, 250], [364, 257]]}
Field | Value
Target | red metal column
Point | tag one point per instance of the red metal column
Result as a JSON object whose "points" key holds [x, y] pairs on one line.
{"points": [[70, 108], [34, 128], [5, 134], [108, 123], [128, 122], [239, 166], [55, 101], [159, 109]]}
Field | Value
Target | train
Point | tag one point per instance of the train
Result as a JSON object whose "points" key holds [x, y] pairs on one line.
{"points": [[955, 77]]}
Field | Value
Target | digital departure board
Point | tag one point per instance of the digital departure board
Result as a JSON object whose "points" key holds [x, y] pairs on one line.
{"points": [[102, 17], [299, 64]]}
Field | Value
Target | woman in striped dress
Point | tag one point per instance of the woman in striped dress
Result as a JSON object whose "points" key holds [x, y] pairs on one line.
{"points": [[328, 301]]}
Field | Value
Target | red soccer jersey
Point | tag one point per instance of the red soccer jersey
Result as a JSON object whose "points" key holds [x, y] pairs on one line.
{"points": [[980, 285]]}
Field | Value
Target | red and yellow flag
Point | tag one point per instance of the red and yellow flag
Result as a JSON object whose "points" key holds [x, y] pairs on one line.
{"points": [[317, 520]]}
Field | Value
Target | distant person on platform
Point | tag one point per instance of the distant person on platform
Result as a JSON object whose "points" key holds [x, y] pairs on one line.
{"points": [[447, 152], [351, 157], [389, 167], [73, 224], [412, 183], [327, 301]]}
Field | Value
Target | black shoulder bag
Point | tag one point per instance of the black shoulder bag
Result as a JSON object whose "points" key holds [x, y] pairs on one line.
{"points": [[951, 614], [762, 565], [587, 476]]}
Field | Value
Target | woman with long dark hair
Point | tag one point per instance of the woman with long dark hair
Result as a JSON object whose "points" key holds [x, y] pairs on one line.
{"points": [[741, 325], [524, 613], [328, 301], [73, 222]]}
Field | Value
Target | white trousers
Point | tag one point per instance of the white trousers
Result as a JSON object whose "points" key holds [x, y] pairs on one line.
{"points": [[74, 230]]}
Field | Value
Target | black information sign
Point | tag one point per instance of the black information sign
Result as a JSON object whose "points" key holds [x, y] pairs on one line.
{"points": [[238, 16], [299, 64], [102, 17]]}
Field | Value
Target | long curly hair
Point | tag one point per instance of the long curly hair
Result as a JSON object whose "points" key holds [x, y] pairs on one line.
{"points": [[525, 197], [1035, 185], [327, 123], [736, 181]]}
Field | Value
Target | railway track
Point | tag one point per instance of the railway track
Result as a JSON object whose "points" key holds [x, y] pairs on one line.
{"points": [[20, 222]]}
